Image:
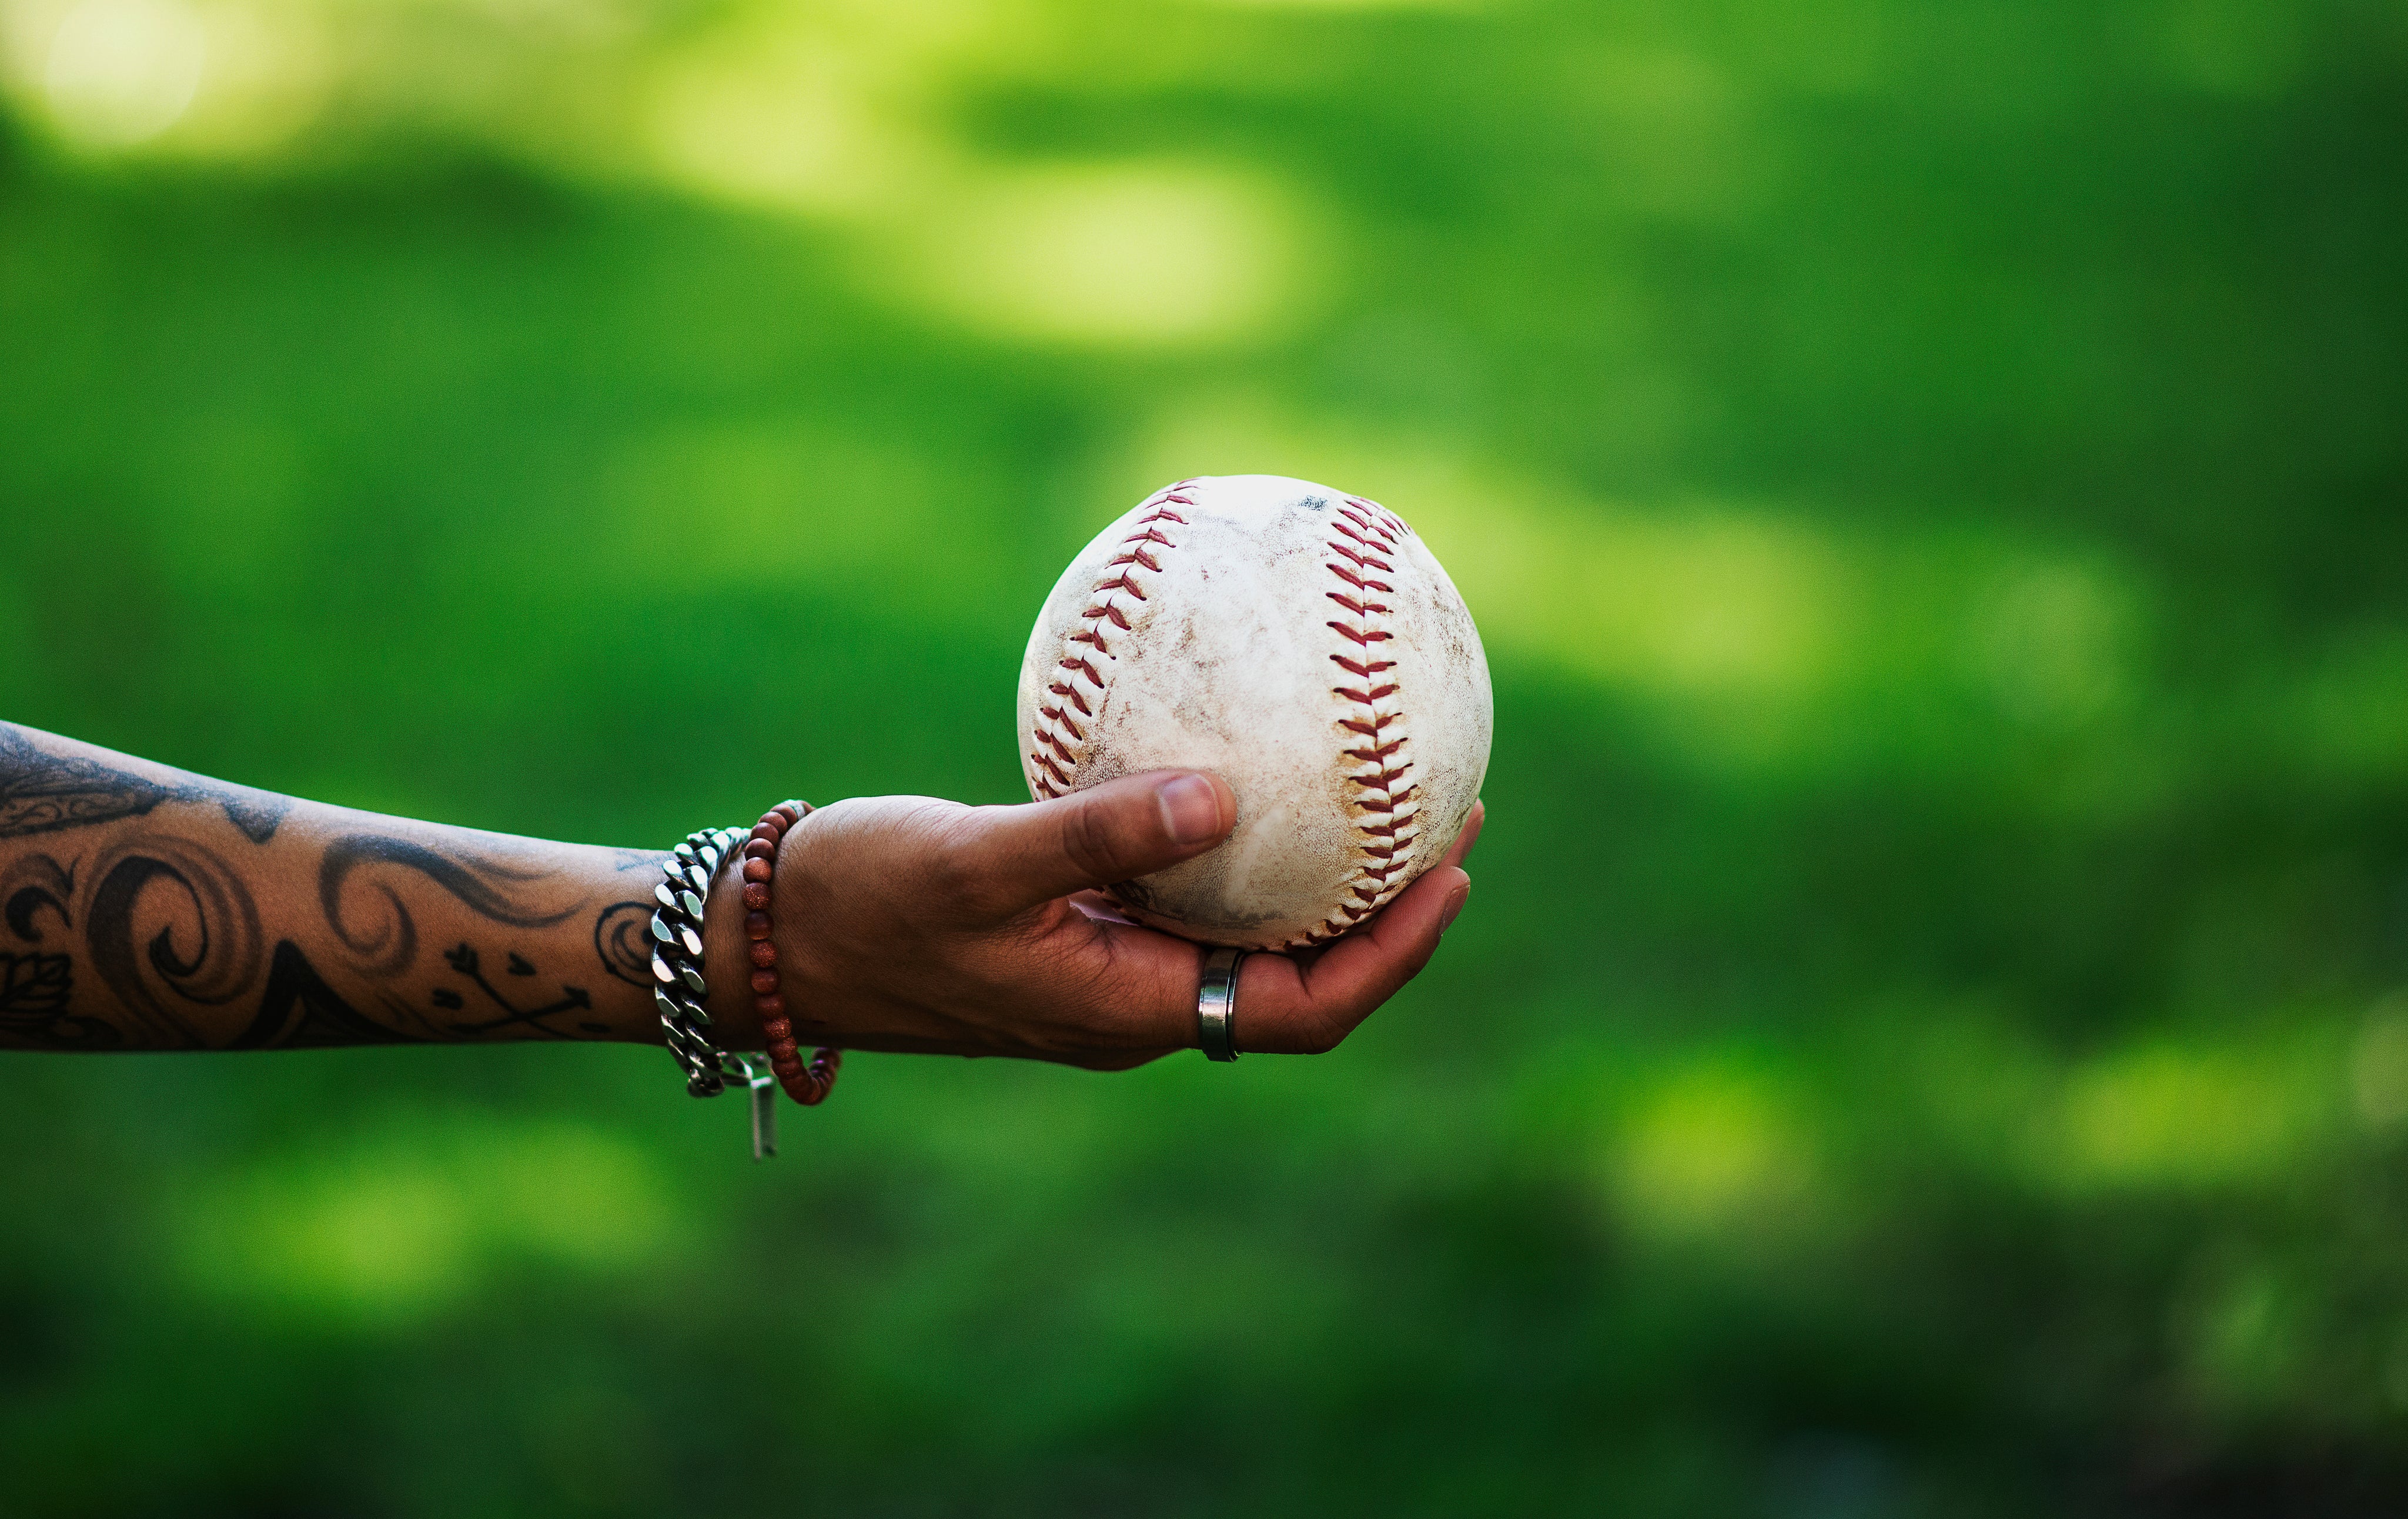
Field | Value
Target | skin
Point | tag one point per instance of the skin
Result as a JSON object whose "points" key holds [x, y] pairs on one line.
{"points": [[142, 908]]}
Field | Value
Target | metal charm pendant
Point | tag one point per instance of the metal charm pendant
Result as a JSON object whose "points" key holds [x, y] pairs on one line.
{"points": [[765, 1108]]}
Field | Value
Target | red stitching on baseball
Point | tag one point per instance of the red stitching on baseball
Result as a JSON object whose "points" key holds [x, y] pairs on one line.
{"points": [[1367, 669], [1362, 535], [1390, 524], [1054, 723], [1365, 638]]}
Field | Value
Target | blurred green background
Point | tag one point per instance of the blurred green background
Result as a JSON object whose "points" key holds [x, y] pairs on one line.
{"points": [[1929, 1037]]}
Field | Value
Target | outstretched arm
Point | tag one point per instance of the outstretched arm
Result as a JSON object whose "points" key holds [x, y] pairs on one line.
{"points": [[145, 908]]}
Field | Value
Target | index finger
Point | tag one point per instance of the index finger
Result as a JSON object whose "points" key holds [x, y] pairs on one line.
{"points": [[1287, 1007], [1149, 980]]}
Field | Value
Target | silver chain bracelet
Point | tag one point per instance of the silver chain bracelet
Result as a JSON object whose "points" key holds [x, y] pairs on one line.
{"points": [[679, 986]]}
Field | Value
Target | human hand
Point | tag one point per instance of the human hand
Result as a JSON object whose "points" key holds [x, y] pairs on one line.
{"points": [[909, 924]]}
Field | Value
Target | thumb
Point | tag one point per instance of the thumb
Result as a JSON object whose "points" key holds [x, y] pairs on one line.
{"points": [[1012, 858]]}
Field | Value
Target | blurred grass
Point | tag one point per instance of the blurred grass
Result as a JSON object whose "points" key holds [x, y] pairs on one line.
{"points": [[1928, 1040]]}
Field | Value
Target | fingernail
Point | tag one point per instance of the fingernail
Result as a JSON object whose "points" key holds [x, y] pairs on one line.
{"points": [[1191, 810], [1454, 905]]}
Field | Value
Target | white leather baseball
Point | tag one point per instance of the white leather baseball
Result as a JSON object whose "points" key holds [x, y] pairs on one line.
{"points": [[1301, 644]]}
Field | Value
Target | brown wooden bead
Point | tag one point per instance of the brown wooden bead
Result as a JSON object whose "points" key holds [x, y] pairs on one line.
{"points": [[807, 1084]]}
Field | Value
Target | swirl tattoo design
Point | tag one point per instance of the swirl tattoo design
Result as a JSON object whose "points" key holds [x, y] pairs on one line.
{"points": [[389, 946], [205, 948], [622, 938]]}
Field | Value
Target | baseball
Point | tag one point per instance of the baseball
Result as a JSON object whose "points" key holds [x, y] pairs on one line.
{"points": [[1303, 645]]}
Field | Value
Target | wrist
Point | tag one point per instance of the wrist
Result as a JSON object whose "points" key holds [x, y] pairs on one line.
{"points": [[727, 960]]}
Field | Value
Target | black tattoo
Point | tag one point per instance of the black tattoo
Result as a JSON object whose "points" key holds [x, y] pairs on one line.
{"points": [[34, 991], [44, 792], [465, 961], [34, 985], [208, 904], [391, 945], [257, 813], [300, 1011], [32, 884], [623, 938]]}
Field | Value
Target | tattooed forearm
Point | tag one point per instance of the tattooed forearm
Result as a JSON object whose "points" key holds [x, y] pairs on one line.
{"points": [[467, 964], [44, 792], [391, 943], [37, 980], [144, 908], [172, 931], [623, 942], [299, 1010], [255, 812], [36, 994]]}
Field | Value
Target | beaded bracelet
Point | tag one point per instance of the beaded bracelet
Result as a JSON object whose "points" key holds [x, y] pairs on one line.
{"points": [[807, 1084], [680, 988]]}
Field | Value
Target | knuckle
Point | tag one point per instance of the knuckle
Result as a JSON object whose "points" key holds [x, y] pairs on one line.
{"points": [[1089, 840], [1322, 1033]]}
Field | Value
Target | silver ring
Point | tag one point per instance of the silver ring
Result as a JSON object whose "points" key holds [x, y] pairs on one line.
{"points": [[1216, 1005]]}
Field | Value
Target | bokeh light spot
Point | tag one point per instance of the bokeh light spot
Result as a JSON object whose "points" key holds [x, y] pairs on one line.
{"points": [[2056, 644], [1714, 1151], [2167, 1116], [1115, 255], [408, 1221], [2379, 1069], [124, 71]]}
